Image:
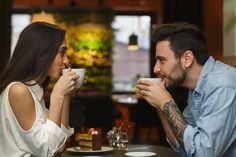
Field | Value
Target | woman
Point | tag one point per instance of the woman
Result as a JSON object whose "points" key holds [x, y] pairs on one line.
{"points": [[27, 128]]}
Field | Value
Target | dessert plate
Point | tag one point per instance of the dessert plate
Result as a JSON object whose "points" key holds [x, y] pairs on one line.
{"points": [[128, 100], [78, 150], [141, 154]]}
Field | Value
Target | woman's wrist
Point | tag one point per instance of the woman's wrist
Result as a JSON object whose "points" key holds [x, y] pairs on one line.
{"points": [[67, 100], [57, 99]]}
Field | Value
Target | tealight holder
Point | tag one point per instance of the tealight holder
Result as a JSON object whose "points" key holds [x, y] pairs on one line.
{"points": [[118, 139]]}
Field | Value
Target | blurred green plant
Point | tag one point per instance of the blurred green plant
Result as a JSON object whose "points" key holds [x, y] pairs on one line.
{"points": [[90, 37], [229, 8]]}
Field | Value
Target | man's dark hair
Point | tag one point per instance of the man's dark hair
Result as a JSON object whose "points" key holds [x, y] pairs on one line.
{"points": [[182, 37]]}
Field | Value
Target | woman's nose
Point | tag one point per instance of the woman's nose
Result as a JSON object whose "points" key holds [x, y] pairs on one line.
{"points": [[65, 60]]}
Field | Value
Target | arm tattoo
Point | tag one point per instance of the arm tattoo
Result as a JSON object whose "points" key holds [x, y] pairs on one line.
{"points": [[175, 119]]}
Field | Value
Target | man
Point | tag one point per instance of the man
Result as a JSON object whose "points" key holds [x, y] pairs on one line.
{"points": [[207, 127]]}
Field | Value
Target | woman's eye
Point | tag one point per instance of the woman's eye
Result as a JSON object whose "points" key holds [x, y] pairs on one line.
{"points": [[62, 50], [61, 54]]}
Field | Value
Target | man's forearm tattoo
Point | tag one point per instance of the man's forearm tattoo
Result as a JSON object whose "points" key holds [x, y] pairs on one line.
{"points": [[175, 119]]}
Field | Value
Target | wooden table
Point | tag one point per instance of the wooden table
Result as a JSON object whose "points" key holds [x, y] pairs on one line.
{"points": [[159, 150]]}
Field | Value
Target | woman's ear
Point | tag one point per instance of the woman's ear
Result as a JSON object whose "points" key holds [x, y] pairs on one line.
{"points": [[187, 58]]}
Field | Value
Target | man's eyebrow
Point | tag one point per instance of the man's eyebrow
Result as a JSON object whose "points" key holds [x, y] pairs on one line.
{"points": [[160, 57]]}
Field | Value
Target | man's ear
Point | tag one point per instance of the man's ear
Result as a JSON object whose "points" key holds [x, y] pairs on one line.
{"points": [[187, 58]]}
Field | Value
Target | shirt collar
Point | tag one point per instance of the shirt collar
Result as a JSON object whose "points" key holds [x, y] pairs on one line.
{"points": [[36, 89], [207, 68]]}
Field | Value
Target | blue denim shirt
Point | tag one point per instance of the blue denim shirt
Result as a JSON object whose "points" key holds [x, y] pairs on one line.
{"points": [[211, 114]]}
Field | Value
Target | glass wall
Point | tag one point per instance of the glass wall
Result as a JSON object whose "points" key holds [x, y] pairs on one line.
{"points": [[19, 22], [129, 65]]}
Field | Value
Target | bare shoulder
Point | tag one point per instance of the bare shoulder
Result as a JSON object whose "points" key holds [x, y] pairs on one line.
{"points": [[19, 90], [22, 104]]}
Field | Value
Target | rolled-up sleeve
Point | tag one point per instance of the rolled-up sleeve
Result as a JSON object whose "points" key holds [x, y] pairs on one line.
{"points": [[68, 132], [56, 136], [189, 143], [177, 148]]}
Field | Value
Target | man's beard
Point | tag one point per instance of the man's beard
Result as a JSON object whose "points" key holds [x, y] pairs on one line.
{"points": [[178, 79]]}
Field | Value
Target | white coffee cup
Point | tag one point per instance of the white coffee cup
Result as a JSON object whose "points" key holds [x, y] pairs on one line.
{"points": [[80, 72], [156, 80]]}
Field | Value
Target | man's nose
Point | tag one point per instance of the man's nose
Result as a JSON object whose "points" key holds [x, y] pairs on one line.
{"points": [[156, 69]]}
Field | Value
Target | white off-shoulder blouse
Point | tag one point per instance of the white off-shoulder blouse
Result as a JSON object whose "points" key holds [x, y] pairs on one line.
{"points": [[44, 139]]}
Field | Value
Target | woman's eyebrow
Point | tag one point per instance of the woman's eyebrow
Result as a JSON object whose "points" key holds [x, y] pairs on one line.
{"points": [[62, 48]]}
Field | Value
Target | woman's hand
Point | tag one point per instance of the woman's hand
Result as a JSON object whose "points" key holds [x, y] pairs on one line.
{"points": [[66, 83], [155, 94]]}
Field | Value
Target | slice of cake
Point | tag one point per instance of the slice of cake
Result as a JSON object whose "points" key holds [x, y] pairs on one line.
{"points": [[90, 141]]}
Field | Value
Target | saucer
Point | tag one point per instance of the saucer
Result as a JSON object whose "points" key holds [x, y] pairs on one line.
{"points": [[92, 152], [140, 154]]}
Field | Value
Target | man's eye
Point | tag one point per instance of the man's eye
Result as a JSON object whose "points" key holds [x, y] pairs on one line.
{"points": [[162, 61]]}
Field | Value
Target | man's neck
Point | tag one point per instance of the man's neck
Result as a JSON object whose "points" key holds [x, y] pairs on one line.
{"points": [[192, 76]]}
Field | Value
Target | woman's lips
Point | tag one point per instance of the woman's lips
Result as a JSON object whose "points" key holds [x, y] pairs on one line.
{"points": [[60, 72]]}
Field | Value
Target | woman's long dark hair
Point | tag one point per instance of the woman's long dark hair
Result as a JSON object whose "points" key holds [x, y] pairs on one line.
{"points": [[33, 55]]}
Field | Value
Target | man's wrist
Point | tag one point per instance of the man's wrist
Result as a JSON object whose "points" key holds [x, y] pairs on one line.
{"points": [[165, 102]]}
